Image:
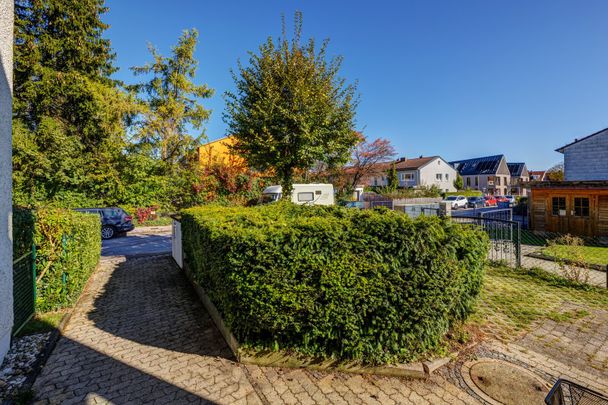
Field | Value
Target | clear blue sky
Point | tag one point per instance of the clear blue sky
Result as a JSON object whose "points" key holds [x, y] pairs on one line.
{"points": [[455, 78]]}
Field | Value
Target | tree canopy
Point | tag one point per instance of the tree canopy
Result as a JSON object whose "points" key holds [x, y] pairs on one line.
{"points": [[291, 109], [173, 101]]}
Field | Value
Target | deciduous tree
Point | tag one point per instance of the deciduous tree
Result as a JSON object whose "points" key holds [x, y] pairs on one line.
{"points": [[367, 157], [291, 108]]}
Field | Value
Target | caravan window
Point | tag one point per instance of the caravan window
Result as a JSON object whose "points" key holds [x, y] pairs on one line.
{"points": [[307, 196]]}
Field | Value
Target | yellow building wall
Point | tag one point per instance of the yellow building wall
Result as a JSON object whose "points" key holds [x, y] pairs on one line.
{"points": [[218, 151]]}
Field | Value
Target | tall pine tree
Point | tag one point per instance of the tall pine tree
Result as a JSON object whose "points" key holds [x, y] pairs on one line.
{"points": [[173, 101], [69, 114]]}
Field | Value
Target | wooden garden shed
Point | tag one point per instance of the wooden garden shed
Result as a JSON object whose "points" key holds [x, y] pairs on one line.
{"points": [[575, 207]]}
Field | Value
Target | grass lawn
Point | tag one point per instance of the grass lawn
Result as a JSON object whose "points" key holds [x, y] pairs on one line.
{"points": [[43, 322], [511, 300], [590, 254]]}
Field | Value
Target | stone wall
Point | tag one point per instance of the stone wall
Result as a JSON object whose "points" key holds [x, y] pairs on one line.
{"points": [[6, 244]]}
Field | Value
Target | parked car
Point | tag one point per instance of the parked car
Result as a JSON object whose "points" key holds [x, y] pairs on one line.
{"points": [[353, 204], [490, 201], [114, 220], [511, 200], [456, 201], [476, 202], [501, 199]]}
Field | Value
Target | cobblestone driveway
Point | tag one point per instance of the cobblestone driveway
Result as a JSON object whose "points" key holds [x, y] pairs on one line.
{"points": [[139, 335]]}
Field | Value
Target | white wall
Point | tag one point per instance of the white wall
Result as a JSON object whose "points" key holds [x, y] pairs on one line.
{"points": [[6, 244], [428, 175]]}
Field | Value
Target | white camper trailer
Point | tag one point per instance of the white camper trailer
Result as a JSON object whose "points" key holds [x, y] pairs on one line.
{"points": [[312, 194]]}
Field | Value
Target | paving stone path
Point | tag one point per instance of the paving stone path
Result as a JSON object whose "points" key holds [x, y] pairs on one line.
{"points": [[139, 335]]}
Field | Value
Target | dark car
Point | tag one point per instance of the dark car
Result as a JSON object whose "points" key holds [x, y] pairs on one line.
{"points": [[114, 220], [476, 202], [353, 204]]}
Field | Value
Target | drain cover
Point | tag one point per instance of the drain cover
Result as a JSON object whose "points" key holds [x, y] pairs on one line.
{"points": [[505, 383]]}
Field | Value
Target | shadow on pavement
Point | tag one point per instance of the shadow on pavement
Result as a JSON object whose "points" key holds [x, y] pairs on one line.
{"points": [[149, 301], [78, 374]]}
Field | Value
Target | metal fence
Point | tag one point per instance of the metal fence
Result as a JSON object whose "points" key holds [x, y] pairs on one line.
{"points": [[24, 289], [581, 259], [505, 237]]}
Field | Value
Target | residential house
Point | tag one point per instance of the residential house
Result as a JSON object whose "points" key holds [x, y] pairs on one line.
{"points": [[579, 204], [520, 177], [538, 175], [586, 158], [489, 174], [426, 172], [218, 151]]}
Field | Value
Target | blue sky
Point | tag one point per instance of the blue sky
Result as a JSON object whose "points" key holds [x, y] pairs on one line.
{"points": [[458, 79]]}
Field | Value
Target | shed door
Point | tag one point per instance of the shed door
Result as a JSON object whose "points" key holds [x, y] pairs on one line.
{"points": [[602, 209], [580, 215]]}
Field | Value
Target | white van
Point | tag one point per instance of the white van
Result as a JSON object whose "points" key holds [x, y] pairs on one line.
{"points": [[313, 194]]}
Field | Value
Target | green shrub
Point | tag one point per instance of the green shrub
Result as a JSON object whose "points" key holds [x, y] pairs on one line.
{"points": [[68, 250], [466, 193], [371, 285], [23, 231]]}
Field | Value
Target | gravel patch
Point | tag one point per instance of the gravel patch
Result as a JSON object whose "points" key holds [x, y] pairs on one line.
{"points": [[20, 363]]}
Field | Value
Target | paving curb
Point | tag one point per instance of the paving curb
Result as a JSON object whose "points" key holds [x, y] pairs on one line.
{"points": [[542, 256], [150, 229]]}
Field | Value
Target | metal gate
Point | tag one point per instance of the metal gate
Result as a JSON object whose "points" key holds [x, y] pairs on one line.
{"points": [[505, 236], [24, 289]]}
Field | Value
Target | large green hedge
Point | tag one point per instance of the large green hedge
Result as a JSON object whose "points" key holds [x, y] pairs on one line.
{"points": [[68, 250], [349, 284]]}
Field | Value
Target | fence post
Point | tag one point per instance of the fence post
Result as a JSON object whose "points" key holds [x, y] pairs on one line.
{"points": [[518, 245], [34, 272], [607, 276]]}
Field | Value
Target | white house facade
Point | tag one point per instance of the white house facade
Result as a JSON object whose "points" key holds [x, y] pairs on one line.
{"points": [[426, 172]]}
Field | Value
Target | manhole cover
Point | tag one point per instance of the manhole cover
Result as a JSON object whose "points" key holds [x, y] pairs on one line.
{"points": [[504, 382]]}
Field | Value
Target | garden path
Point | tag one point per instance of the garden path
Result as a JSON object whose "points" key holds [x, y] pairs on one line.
{"points": [[139, 335]]}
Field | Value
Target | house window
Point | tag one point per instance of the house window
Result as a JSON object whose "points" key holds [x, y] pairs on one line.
{"points": [[476, 181], [498, 181], [581, 207], [438, 176], [469, 181], [558, 206], [406, 176], [306, 197], [447, 176]]}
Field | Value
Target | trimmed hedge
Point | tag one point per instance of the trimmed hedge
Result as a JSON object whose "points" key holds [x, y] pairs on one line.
{"points": [[68, 250], [371, 285], [23, 231]]}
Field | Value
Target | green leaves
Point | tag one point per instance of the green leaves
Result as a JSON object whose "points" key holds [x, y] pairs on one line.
{"points": [[172, 99], [291, 109], [68, 249], [350, 284]]}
